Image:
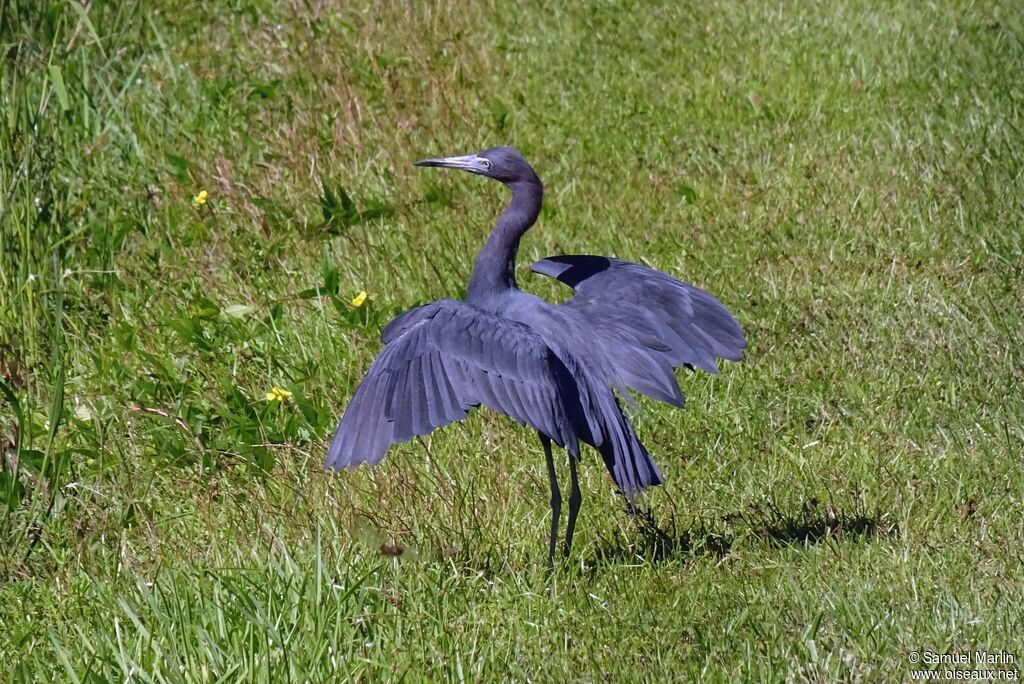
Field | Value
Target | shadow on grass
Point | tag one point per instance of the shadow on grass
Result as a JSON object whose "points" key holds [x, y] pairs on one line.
{"points": [[652, 542], [814, 524]]}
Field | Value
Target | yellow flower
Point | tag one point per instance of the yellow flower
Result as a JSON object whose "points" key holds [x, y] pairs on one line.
{"points": [[278, 394], [200, 199], [360, 299]]}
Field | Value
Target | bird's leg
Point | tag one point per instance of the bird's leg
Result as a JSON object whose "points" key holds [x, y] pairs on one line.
{"points": [[556, 498], [575, 499]]}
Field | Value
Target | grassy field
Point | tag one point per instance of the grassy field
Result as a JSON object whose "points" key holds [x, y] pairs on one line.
{"points": [[846, 177]]}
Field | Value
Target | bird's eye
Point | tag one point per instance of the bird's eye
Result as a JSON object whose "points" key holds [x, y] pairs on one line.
{"points": [[486, 162]]}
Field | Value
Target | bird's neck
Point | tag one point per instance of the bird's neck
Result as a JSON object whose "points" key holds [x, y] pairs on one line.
{"points": [[495, 269]]}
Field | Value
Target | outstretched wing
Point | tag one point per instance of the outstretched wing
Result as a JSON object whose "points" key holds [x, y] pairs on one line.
{"points": [[443, 359], [647, 321]]}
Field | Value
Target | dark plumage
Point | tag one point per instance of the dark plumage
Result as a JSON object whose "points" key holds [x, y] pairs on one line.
{"points": [[553, 367]]}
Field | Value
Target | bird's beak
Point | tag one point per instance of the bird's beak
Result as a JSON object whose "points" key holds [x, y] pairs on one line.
{"points": [[470, 162]]}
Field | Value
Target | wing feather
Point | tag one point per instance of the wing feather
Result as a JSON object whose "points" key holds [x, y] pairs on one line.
{"points": [[645, 322], [418, 399], [444, 358]]}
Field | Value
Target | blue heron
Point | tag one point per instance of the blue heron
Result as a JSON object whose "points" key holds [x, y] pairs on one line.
{"points": [[556, 368]]}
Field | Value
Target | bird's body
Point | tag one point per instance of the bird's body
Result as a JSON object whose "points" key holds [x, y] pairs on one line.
{"points": [[553, 367]]}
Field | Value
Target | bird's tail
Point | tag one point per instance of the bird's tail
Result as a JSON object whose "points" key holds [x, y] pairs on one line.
{"points": [[598, 418], [625, 456]]}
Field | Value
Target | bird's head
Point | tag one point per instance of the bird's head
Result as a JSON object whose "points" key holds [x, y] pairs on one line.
{"points": [[500, 163]]}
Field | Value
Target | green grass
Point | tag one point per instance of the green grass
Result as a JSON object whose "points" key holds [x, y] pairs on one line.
{"points": [[847, 179]]}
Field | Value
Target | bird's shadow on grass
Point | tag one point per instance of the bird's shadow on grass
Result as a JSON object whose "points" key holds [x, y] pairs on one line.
{"points": [[653, 542], [815, 524]]}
